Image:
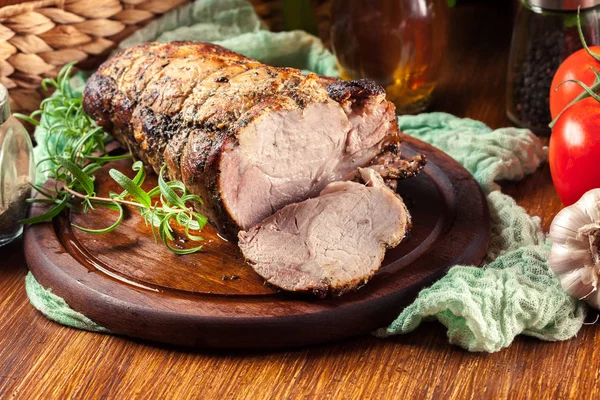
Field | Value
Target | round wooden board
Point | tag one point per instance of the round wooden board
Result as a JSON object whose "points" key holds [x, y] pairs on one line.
{"points": [[133, 286]]}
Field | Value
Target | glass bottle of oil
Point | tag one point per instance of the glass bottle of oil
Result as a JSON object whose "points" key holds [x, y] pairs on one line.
{"points": [[397, 43]]}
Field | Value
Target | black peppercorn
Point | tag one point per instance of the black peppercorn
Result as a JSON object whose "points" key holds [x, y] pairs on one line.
{"points": [[533, 78]]}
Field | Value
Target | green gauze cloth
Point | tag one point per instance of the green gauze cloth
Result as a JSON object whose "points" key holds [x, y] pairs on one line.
{"points": [[483, 308], [56, 308], [514, 292]]}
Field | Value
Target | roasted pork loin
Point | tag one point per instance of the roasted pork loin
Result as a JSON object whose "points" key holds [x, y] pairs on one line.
{"points": [[246, 137], [329, 244]]}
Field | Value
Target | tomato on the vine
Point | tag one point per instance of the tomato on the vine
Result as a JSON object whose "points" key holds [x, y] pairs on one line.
{"points": [[575, 67], [575, 150]]}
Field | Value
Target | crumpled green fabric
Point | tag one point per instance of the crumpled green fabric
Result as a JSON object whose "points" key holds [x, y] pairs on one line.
{"points": [[514, 291], [56, 308], [483, 308]]}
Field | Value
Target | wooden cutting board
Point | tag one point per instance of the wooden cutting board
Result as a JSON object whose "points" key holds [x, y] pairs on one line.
{"points": [[133, 286]]}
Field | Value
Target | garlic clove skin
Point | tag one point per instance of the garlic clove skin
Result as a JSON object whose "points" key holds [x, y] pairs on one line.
{"points": [[575, 256], [563, 260]]}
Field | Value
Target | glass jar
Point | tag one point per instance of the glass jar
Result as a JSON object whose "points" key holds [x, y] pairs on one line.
{"points": [[398, 43], [545, 33], [17, 171]]}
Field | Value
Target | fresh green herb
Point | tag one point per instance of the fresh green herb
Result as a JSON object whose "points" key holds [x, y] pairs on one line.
{"points": [[75, 151]]}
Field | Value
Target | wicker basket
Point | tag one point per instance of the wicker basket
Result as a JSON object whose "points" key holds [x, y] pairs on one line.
{"points": [[38, 37]]}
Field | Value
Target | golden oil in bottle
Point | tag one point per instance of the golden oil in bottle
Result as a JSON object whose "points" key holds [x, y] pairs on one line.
{"points": [[397, 43]]}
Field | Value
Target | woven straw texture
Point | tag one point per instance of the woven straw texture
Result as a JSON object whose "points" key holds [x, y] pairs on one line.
{"points": [[38, 37]]}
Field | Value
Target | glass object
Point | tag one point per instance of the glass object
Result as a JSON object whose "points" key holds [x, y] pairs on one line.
{"points": [[545, 33], [16, 171], [397, 43]]}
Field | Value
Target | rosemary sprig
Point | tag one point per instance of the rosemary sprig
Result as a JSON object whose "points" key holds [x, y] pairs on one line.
{"points": [[75, 150]]}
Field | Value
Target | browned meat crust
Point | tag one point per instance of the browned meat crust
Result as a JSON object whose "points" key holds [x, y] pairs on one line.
{"points": [[358, 90]]}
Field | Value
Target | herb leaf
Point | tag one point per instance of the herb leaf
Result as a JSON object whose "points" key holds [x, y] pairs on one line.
{"points": [[80, 178], [131, 188], [51, 213], [115, 206], [170, 195]]}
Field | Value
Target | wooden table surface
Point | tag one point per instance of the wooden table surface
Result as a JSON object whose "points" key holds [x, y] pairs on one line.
{"points": [[40, 359]]}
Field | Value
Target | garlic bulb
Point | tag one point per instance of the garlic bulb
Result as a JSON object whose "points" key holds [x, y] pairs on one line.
{"points": [[574, 257]]}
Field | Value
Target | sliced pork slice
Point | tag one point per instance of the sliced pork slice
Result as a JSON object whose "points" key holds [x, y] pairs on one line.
{"points": [[333, 243]]}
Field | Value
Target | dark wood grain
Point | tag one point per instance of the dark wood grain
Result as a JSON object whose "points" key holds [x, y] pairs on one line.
{"points": [[40, 359], [133, 286]]}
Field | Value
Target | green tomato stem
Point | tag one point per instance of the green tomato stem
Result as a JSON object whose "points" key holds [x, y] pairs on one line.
{"points": [[594, 88]]}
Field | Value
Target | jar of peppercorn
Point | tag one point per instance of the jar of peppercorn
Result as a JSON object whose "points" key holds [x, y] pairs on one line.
{"points": [[545, 33]]}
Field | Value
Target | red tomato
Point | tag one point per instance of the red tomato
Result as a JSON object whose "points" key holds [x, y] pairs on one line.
{"points": [[575, 150], [576, 66]]}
